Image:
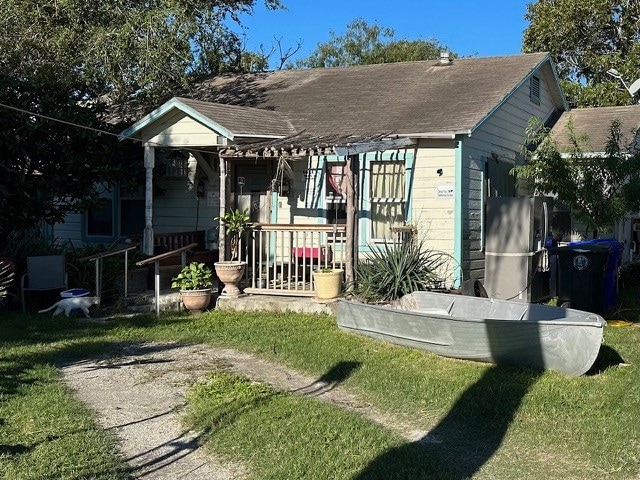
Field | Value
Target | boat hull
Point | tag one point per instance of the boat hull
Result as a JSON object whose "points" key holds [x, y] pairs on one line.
{"points": [[485, 330]]}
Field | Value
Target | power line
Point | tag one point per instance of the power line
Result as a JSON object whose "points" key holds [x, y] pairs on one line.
{"points": [[93, 129]]}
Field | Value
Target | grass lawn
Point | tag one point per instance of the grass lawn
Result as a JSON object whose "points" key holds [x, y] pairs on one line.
{"points": [[483, 421]]}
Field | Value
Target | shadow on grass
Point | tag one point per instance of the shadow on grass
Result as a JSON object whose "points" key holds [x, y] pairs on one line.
{"points": [[330, 380], [607, 357], [466, 438]]}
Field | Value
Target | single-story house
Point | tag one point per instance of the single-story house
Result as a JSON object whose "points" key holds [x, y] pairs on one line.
{"points": [[592, 125], [396, 148]]}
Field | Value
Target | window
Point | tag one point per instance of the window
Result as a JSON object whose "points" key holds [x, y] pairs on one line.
{"points": [[175, 163], [336, 212], [387, 197], [500, 181], [534, 89], [131, 212], [120, 214], [100, 218]]}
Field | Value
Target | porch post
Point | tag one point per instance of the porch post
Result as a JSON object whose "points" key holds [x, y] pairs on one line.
{"points": [[149, 163], [223, 208], [350, 227]]}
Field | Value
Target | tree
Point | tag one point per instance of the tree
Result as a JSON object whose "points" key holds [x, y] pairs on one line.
{"points": [[599, 191], [587, 38], [365, 44], [122, 48], [49, 168], [66, 60]]}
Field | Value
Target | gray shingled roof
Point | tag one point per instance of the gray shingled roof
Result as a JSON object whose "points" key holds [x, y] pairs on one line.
{"points": [[405, 98], [243, 121], [595, 124]]}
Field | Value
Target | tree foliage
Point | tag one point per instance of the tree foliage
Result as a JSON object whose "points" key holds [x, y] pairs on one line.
{"points": [[122, 47], [365, 44], [587, 38], [49, 168], [600, 191], [66, 59]]}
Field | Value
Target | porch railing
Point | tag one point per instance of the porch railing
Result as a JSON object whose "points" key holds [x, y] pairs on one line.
{"points": [[281, 258]]}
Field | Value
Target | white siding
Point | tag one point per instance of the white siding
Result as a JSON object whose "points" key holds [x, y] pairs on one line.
{"points": [[433, 214], [178, 129], [178, 209], [305, 204], [70, 230], [501, 135]]}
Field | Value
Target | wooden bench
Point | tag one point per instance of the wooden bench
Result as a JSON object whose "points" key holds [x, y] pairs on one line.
{"points": [[165, 242]]}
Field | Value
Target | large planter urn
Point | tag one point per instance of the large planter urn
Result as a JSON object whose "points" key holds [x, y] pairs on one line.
{"points": [[196, 301], [328, 283], [230, 272]]}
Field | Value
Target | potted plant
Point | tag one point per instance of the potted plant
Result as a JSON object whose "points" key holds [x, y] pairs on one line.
{"points": [[328, 282], [230, 272], [194, 282]]}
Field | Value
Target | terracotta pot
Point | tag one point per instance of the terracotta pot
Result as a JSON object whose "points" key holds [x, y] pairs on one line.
{"points": [[328, 283], [196, 300], [230, 273]]}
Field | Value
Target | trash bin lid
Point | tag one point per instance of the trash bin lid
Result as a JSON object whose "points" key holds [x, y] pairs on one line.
{"points": [[584, 247], [74, 292]]}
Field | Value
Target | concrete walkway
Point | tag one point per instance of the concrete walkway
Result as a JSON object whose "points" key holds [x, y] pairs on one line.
{"points": [[139, 395], [139, 391]]}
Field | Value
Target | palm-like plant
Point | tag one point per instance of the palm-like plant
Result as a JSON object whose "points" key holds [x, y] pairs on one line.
{"points": [[235, 222]]}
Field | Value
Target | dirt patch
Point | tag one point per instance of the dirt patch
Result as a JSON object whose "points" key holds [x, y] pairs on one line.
{"points": [[139, 391]]}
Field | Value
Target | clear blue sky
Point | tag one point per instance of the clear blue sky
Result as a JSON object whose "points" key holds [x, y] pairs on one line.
{"points": [[467, 27]]}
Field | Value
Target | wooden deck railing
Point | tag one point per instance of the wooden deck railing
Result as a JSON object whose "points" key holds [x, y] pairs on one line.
{"points": [[280, 258], [165, 242]]}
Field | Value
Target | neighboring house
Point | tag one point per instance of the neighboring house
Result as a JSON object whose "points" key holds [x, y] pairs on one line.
{"points": [[429, 142], [593, 124]]}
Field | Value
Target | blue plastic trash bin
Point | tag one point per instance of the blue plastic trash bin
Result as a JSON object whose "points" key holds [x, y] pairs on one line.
{"points": [[611, 273]]}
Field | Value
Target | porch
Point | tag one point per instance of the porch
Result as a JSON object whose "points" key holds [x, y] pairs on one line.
{"points": [[281, 258]]}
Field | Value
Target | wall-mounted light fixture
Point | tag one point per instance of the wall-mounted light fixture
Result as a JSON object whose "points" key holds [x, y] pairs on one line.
{"points": [[439, 172]]}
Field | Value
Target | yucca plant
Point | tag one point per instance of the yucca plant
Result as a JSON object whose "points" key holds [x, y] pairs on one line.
{"points": [[396, 269]]}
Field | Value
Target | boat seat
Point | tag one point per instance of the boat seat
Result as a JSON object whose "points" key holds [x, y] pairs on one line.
{"points": [[439, 311]]}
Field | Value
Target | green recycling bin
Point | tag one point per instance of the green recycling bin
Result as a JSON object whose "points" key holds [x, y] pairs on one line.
{"points": [[581, 273]]}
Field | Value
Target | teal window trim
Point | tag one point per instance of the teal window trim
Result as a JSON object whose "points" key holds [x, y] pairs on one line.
{"points": [[457, 231], [406, 155], [275, 200], [322, 167], [409, 168], [115, 219]]}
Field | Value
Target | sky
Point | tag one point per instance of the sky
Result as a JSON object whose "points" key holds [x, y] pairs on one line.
{"points": [[466, 27]]}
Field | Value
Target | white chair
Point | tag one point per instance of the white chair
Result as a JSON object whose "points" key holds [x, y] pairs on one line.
{"points": [[44, 273]]}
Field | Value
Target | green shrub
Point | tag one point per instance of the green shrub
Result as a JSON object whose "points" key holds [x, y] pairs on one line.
{"points": [[194, 276]]}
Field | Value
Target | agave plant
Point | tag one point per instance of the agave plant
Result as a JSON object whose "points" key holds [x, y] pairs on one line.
{"points": [[394, 270]]}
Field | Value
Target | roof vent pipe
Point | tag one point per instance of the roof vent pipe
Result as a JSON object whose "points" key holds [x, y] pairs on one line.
{"points": [[444, 58]]}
